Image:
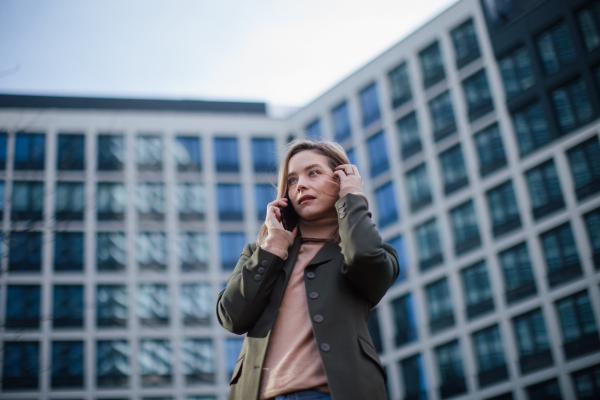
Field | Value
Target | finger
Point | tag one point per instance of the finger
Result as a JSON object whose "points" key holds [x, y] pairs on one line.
{"points": [[295, 230], [278, 202], [340, 174]]}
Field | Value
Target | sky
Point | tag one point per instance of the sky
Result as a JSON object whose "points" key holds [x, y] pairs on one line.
{"points": [[285, 53]]}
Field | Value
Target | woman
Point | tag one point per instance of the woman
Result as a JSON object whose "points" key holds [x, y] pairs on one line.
{"points": [[303, 297]]}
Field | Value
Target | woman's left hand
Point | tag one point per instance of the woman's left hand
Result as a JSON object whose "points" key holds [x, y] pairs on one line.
{"points": [[349, 177]]}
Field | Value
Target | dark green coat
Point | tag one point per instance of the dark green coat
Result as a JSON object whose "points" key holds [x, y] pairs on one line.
{"points": [[350, 279]]}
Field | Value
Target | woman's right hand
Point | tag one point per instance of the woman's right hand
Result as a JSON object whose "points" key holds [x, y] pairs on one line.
{"points": [[273, 220]]}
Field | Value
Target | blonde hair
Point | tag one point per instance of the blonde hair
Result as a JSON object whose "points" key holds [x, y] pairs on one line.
{"points": [[335, 156]]}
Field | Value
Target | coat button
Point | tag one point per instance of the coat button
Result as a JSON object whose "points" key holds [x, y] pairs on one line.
{"points": [[257, 277], [313, 295], [261, 270], [310, 275], [342, 215], [318, 318], [264, 263], [342, 208], [343, 204], [325, 347]]}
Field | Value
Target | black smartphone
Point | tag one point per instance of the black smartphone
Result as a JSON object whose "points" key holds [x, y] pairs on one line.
{"points": [[289, 218]]}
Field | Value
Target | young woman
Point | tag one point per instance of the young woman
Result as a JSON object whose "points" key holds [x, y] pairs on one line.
{"points": [[303, 297]]}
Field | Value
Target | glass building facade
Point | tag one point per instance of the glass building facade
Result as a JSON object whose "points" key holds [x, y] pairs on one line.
{"points": [[477, 139]]}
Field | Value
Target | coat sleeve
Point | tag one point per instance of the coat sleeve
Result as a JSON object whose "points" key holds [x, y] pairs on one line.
{"points": [[370, 264], [248, 288]]}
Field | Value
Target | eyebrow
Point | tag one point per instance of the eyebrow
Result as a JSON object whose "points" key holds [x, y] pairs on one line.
{"points": [[311, 166]]}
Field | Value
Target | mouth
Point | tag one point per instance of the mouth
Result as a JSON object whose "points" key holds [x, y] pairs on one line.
{"points": [[305, 199]]}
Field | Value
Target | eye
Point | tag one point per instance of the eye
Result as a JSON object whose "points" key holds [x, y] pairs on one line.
{"points": [[292, 181], [314, 172]]}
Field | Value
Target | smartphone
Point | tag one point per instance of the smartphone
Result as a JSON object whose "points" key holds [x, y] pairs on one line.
{"points": [[289, 218]]}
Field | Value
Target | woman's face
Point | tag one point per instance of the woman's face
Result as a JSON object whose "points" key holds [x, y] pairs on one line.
{"points": [[312, 187]]}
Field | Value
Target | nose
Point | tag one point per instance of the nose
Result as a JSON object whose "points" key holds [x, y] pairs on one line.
{"points": [[301, 184]]}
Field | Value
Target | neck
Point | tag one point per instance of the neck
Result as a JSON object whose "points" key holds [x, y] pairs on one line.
{"points": [[321, 228]]}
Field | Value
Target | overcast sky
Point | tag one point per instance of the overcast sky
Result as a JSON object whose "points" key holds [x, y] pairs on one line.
{"points": [[283, 52]]}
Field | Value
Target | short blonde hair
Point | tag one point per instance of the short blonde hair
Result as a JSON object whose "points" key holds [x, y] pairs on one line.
{"points": [[335, 156]]}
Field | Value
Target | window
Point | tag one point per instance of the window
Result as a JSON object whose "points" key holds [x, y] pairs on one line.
{"points": [[112, 367], [111, 251], [452, 376], [110, 201], [187, 153], [589, 23], [477, 290], [477, 94], [22, 307], [229, 197], [70, 201], [408, 130], [2, 203], [544, 189], [490, 357], [21, 366], [153, 304], [111, 301], [190, 199], [151, 251], [398, 244], [27, 201], [369, 104], [30, 151], [418, 187], [464, 227], [264, 194], [432, 66], [519, 281], [561, 255], [555, 48], [232, 244], [233, 347], [592, 222], [428, 245], [585, 167], [503, 209], [572, 105], [198, 361], [374, 331], [442, 116], [454, 172], [352, 156], [531, 128], [587, 383], [68, 251], [154, 362], [193, 251], [439, 306], [386, 204], [150, 201], [149, 152], [196, 304], [111, 152], [25, 254], [313, 130], [413, 378], [3, 143], [405, 323], [67, 311], [264, 155], [532, 339], [580, 333], [67, 364], [378, 154], [71, 152], [399, 85], [490, 150], [517, 72], [226, 154], [548, 390], [341, 122], [466, 47]]}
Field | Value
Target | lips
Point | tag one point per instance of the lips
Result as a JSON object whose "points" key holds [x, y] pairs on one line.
{"points": [[305, 198]]}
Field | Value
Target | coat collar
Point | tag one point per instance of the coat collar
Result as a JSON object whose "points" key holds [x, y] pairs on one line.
{"points": [[327, 253]]}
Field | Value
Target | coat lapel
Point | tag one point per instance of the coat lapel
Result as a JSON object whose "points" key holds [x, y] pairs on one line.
{"points": [[327, 253], [288, 265]]}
